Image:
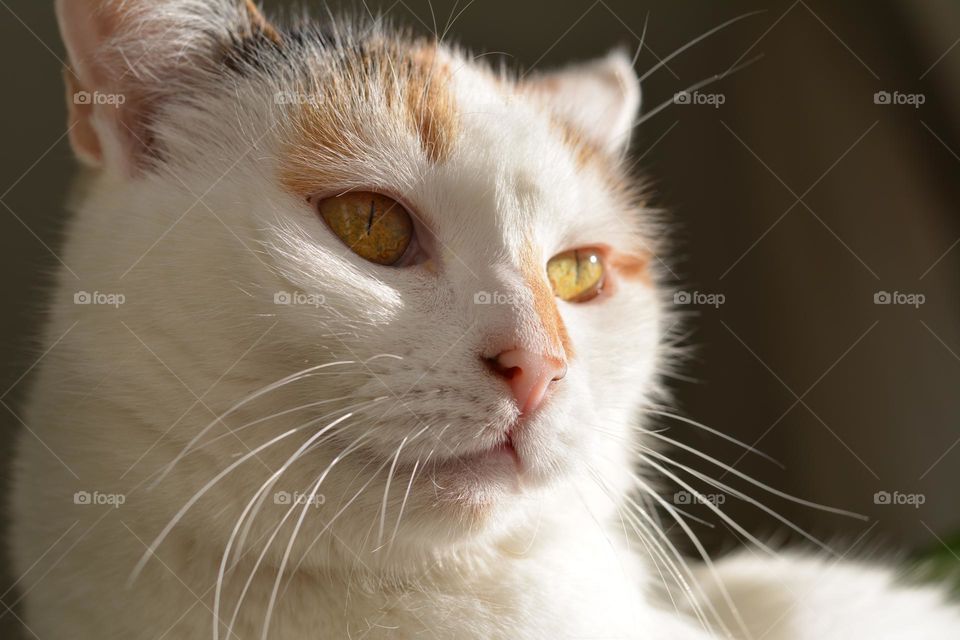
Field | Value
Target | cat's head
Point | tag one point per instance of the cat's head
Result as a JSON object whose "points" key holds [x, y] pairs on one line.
{"points": [[453, 258]]}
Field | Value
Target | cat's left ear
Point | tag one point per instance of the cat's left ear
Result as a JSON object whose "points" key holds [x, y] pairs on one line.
{"points": [[128, 57], [600, 98]]}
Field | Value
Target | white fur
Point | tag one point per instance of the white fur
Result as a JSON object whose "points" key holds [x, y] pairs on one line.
{"points": [[200, 242]]}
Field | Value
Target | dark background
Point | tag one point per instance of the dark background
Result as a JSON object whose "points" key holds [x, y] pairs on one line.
{"points": [[798, 199]]}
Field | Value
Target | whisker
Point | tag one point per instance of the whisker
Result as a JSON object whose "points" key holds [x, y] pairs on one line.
{"points": [[386, 491], [403, 503], [756, 483], [250, 398], [256, 566], [717, 433], [753, 501], [278, 414], [309, 445], [293, 536], [253, 572], [643, 40], [327, 526], [694, 87], [657, 551], [720, 27], [264, 488], [166, 530], [701, 550], [700, 497]]}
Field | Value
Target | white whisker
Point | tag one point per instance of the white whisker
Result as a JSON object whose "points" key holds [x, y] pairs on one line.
{"points": [[386, 492], [307, 448], [756, 483], [715, 432], [703, 500], [701, 37], [643, 532], [166, 530], [293, 536], [694, 87], [250, 398], [403, 503], [753, 501], [263, 490], [701, 550]]}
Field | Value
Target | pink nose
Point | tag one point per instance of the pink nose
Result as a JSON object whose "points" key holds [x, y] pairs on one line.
{"points": [[529, 375]]}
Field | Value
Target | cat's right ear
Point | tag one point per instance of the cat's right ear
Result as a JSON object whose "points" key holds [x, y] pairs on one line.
{"points": [[86, 27], [127, 56]]}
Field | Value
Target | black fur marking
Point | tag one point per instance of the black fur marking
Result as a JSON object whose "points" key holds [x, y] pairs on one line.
{"points": [[254, 50]]}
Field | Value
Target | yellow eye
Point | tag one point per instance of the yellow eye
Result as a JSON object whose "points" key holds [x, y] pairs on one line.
{"points": [[375, 227], [576, 276]]}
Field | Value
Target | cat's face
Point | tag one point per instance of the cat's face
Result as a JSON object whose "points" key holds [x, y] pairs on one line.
{"points": [[465, 379]]}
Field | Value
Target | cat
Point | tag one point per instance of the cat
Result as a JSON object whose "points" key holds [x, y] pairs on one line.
{"points": [[353, 339]]}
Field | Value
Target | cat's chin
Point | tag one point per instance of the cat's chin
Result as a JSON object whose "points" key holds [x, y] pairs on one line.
{"points": [[479, 478]]}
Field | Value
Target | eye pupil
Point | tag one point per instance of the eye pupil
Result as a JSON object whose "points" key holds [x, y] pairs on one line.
{"points": [[576, 275], [373, 226]]}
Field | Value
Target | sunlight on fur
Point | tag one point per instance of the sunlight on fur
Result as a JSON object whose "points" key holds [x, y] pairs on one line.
{"points": [[400, 425]]}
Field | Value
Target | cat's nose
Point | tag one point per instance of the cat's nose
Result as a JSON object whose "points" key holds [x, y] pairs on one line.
{"points": [[529, 374]]}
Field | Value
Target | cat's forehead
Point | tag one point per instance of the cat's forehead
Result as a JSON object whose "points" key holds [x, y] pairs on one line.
{"points": [[423, 120]]}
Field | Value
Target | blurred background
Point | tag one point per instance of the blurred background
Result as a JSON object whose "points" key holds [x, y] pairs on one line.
{"points": [[813, 200]]}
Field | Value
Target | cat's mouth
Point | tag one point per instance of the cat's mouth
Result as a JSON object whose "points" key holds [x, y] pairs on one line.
{"points": [[479, 476], [502, 452]]}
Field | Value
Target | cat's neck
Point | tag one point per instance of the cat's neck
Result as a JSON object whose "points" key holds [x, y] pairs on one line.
{"points": [[577, 581]]}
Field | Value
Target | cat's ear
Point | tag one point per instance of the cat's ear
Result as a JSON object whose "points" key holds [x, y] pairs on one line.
{"points": [[127, 56], [600, 98]]}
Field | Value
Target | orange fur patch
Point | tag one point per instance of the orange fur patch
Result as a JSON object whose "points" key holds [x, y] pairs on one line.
{"points": [[429, 103], [545, 305], [413, 82], [632, 266], [259, 22], [585, 152]]}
